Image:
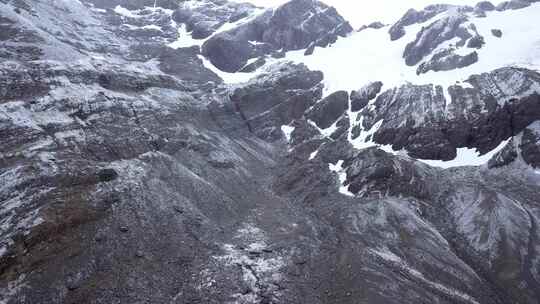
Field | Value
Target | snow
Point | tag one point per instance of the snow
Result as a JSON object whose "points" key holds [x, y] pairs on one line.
{"points": [[120, 10], [287, 130], [369, 55], [229, 78], [314, 154], [466, 157], [342, 174], [185, 39], [152, 27]]}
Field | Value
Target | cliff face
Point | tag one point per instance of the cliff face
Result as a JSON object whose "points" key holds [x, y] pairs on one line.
{"points": [[131, 172]]}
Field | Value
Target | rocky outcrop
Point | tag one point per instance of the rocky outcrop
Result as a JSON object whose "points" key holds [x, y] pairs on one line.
{"points": [[496, 109], [292, 26], [446, 61], [202, 18], [413, 16], [512, 5], [276, 98], [329, 109], [360, 98], [434, 34]]}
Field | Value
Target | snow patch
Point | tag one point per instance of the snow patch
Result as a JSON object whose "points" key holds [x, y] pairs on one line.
{"points": [[467, 157], [342, 174], [120, 10], [287, 130]]}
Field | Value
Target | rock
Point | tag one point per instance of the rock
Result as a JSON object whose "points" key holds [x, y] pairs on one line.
{"points": [[342, 127], [476, 42], [446, 61], [530, 145], [310, 50], [512, 5], [205, 17], [328, 110], [433, 35], [292, 26], [485, 6], [374, 25], [360, 98], [497, 33], [252, 67], [483, 125], [107, 175], [280, 95], [505, 157], [413, 16]]}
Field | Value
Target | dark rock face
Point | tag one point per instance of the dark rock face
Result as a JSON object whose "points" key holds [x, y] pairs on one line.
{"points": [[412, 17], [446, 61], [530, 145], [277, 98], [495, 112], [328, 110], [360, 98], [292, 26], [433, 35]]}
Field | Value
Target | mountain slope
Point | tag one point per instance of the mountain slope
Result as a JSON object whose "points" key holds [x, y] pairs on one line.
{"points": [[134, 170]]}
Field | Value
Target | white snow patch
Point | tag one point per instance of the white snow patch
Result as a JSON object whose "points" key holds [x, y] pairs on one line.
{"points": [[120, 10], [152, 27], [313, 154], [342, 174], [287, 130], [185, 39], [466, 157]]}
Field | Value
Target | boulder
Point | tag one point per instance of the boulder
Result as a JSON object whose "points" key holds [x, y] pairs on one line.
{"points": [[327, 111]]}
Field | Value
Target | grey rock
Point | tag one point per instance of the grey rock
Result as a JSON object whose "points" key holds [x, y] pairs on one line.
{"points": [[493, 114], [433, 35], [530, 145], [512, 5], [360, 98], [413, 16], [446, 61], [330, 109], [497, 33], [374, 25], [292, 26], [476, 42]]}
